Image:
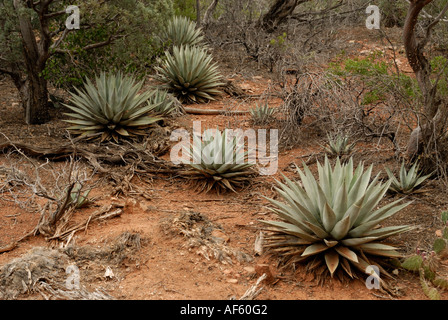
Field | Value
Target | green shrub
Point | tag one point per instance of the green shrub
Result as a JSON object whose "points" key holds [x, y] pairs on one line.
{"points": [[136, 49], [379, 77]]}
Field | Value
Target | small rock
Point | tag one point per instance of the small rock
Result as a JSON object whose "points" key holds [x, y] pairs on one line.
{"points": [[234, 281], [439, 233], [227, 271], [220, 236], [249, 269]]}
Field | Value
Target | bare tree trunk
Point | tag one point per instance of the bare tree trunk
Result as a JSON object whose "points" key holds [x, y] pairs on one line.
{"points": [[278, 13], [208, 14], [434, 121], [33, 89], [36, 42], [198, 12], [34, 96]]}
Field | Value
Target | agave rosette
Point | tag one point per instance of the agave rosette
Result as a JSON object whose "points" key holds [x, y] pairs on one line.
{"points": [[409, 180], [339, 145], [190, 74], [219, 162], [112, 106], [262, 113], [182, 31], [333, 223]]}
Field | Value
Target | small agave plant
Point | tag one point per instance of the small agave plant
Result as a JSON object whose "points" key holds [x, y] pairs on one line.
{"points": [[190, 75], [182, 31], [333, 222], [219, 163], [262, 114], [339, 145], [164, 104], [409, 180], [111, 107]]}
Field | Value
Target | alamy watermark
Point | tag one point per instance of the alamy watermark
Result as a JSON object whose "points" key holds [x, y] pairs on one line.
{"points": [[72, 281], [73, 20], [373, 281], [201, 148], [373, 21]]}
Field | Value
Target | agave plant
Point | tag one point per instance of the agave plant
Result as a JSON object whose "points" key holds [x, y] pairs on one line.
{"points": [[164, 104], [111, 107], [339, 145], [190, 74], [262, 114], [182, 31], [333, 222], [218, 162], [409, 180]]}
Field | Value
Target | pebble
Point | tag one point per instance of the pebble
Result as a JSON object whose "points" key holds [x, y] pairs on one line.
{"points": [[220, 236], [249, 269]]}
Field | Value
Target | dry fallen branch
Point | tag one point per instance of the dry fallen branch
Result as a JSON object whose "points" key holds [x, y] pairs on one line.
{"points": [[143, 155], [102, 214], [213, 111]]}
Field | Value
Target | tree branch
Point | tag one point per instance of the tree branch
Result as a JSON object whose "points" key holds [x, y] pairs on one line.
{"points": [[208, 14], [54, 14], [93, 45]]}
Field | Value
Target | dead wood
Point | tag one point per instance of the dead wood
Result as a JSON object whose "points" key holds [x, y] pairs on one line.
{"points": [[254, 291], [213, 111], [102, 214], [95, 155]]}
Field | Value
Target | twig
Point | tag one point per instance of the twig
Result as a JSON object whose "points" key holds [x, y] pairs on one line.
{"points": [[253, 291]]}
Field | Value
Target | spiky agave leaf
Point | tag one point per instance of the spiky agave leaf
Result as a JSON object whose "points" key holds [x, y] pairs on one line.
{"points": [[112, 106], [182, 31], [333, 220], [218, 162], [190, 74], [408, 181]]}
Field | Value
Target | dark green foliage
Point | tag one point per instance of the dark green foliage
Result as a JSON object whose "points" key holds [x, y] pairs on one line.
{"points": [[134, 27]]}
